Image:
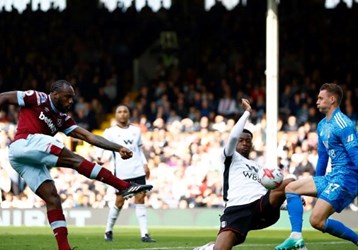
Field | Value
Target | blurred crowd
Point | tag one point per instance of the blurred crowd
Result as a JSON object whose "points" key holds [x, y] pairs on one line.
{"points": [[188, 106], [184, 159]]}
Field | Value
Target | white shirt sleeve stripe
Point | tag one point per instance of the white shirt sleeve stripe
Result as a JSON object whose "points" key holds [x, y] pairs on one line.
{"points": [[95, 171], [57, 224]]}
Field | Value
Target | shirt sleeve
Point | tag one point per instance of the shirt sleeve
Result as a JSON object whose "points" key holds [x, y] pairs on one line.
{"points": [[30, 98], [321, 164], [350, 141], [144, 159], [322, 161]]}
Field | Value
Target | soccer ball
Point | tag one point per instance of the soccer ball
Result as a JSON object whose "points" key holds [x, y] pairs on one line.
{"points": [[271, 178]]}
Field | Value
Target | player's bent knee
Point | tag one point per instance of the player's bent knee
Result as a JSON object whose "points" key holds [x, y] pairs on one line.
{"points": [[48, 193], [316, 222], [119, 202], [290, 188], [139, 198], [52, 199]]}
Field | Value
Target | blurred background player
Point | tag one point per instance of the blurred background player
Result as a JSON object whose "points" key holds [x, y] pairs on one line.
{"points": [[34, 149], [248, 204], [133, 170]]}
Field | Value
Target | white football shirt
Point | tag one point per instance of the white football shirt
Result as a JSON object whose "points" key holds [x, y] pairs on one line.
{"points": [[129, 137], [241, 180]]}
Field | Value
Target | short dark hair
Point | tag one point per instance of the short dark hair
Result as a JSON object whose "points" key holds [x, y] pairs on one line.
{"points": [[59, 84], [123, 105], [334, 89], [248, 132]]}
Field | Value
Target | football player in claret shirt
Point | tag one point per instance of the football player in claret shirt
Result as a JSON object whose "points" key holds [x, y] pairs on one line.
{"points": [[34, 149]]}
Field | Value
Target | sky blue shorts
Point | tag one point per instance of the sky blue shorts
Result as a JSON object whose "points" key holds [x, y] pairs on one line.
{"points": [[339, 187], [32, 157]]}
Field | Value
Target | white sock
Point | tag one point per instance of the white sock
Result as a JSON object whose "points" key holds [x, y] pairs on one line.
{"points": [[112, 218], [296, 235], [210, 246], [207, 246], [141, 212]]}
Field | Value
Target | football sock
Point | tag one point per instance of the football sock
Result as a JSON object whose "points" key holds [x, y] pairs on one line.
{"points": [[338, 229], [209, 246], [141, 212], [296, 235], [58, 224], [95, 171], [112, 217], [295, 211]]}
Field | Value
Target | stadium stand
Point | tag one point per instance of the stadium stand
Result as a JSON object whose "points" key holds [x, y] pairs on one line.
{"points": [[181, 103]]}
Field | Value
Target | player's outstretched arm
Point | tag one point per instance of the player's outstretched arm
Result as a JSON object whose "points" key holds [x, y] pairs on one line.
{"points": [[99, 141], [8, 98], [236, 131]]}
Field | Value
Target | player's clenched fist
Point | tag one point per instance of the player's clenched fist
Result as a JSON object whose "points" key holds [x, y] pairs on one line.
{"points": [[246, 104], [125, 153]]}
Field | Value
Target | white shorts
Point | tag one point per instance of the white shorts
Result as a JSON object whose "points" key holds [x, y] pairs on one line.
{"points": [[32, 157]]}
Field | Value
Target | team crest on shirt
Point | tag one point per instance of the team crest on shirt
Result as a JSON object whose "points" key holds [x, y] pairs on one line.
{"points": [[59, 122], [29, 92], [223, 224]]}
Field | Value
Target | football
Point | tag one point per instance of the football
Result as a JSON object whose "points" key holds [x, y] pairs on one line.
{"points": [[271, 178]]}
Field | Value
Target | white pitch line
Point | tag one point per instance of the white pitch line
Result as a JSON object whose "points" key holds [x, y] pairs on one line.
{"points": [[246, 245], [153, 248]]}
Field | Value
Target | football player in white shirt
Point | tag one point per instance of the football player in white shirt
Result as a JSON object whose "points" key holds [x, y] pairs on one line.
{"points": [[133, 170], [248, 204]]}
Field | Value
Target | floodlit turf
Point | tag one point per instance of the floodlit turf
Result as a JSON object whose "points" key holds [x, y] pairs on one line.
{"points": [[88, 238]]}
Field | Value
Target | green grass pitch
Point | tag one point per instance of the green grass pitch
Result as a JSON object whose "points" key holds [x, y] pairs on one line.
{"points": [[88, 238]]}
